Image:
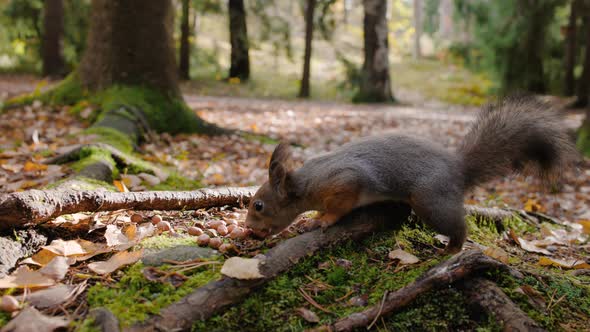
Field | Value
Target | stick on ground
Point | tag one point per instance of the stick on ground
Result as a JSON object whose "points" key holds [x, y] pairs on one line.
{"points": [[36, 206]]}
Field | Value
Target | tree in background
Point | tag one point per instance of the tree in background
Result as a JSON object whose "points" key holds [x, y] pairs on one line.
{"points": [[583, 88], [513, 39], [375, 83], [309, 23], [128, 71], [52, 42], [184, 56], [238, 32]]}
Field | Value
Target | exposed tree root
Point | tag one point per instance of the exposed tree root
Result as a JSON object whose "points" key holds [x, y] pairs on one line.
{"points": [[37, 206], [460, 266], [213, 297], [487, 296]]}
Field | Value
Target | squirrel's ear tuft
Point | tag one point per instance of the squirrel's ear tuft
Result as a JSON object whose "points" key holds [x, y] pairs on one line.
{"points": [[279, 172]]}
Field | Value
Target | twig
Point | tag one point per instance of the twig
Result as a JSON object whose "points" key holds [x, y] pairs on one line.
{"points": [[379, 312], [312, 301]]}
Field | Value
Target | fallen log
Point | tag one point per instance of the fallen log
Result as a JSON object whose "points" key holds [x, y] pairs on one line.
{"points": [[486, 296], [460, 266], [213, 297], [37, 206]]}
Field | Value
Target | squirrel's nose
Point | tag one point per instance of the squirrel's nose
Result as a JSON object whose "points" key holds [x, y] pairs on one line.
{"points": [[259, 233]]}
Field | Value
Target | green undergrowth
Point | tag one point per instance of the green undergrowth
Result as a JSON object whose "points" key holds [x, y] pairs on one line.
{"points": [[272, 308], [565, 300], [4, 318], [175, 181], [133, 297], [583, 141]]}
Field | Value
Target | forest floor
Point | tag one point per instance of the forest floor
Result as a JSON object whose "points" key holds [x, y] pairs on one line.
{"points": [[549, 293]]}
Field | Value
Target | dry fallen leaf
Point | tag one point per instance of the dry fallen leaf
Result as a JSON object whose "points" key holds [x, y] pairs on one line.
{"points": [[114, 263], [530, 246], [535, 297], [532, 205], [586, 225], [497, 254], [308, 315], [34, 167], [241, 268], [566, 264], [29, 319], [52, 296], [25, 277], [404, 257], [56, 269], [120, 186]]}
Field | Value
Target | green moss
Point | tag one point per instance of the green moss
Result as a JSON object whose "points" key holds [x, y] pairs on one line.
{"points": [[4, 318], [176, 181], [260, 138], [272, 307], [90, 155], [87, 325], [166, 241], [69, 91], [83, 183], [443, 310], [583, 141], [133, 298], [110, 136], [572, 310], [165, 113]]}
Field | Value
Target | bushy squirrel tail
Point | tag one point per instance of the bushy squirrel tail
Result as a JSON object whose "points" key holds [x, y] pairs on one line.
{"points": [[516, 134]]}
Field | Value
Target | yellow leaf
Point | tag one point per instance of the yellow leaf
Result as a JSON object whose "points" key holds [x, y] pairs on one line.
{"points": [[586, 225], [120, 186], [566, 264], [34, 167], [532, 205]]}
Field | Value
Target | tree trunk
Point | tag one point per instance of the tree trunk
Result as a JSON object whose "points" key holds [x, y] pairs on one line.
{"points": [[238, 32], [53, 30], [130, 43], [309, 16], [417, 29], [584, 82], [375, 82], [570, 50], [184, 57]]}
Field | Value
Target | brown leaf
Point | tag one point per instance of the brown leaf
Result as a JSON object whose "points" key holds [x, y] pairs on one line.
{"points": [[120, 186], [530, 246], [497, 254], [29, 319], [242, 268], [114, 263], [308, 315], [34, 167], [24, 277], [404, 257], [534, 296], [52, 296]]}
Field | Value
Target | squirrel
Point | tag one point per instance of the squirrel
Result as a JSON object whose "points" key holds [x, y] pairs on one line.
{"points": [[514, 134]]}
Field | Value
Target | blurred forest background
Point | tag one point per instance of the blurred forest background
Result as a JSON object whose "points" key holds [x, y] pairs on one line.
{"points": [[458, 51]]}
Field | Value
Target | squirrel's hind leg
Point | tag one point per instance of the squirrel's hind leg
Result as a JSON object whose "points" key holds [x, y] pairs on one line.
{"points": [[444, 214]]}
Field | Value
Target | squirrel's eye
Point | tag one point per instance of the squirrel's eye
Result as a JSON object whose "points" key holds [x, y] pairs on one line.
{"points": [[258, 205]]}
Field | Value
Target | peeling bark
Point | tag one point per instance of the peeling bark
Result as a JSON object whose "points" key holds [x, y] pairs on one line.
{"points": [[460, 266], [37, 206], [485, 295], [215, 296]]}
